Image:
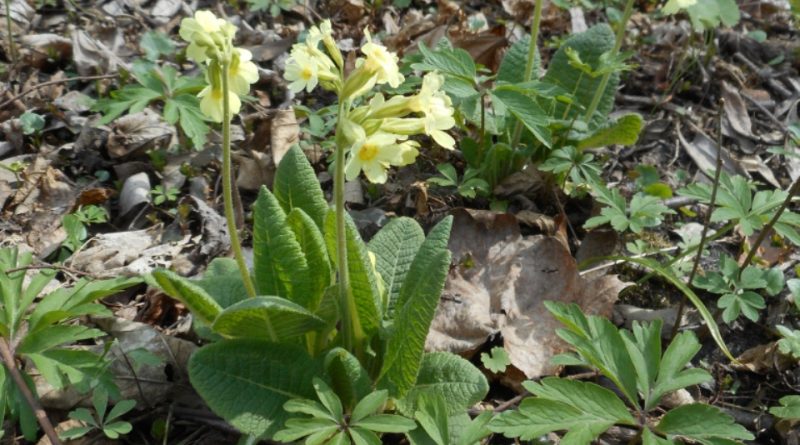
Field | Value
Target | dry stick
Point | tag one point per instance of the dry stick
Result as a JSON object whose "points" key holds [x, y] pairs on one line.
{"points": [[41, 416], [763, 235], [706, 221], [56, 82]]}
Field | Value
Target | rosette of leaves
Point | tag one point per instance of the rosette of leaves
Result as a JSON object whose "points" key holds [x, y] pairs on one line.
{"points": [[330, 424], [641, 375], [549, 110], [738, 288], [268, 349], [38, 329]]}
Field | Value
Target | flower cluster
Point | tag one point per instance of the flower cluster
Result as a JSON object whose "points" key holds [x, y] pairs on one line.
{"points": [[211, 44], [376, 134]]}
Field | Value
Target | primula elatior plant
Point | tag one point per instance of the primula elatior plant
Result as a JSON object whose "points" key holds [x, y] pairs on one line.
{"points": [[324, 306], [641, 375]]}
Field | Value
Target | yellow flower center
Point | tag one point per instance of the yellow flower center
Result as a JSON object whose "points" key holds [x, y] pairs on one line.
{"points": [[306, 74], [367, 152]]}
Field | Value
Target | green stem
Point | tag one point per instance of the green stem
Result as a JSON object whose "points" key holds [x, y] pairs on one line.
{"points": [[351, 330], [12, 49], [535, 22], [227, 195], [598, 94]]}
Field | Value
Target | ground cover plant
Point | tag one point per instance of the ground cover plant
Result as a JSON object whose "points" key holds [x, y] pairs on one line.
{"points": [[399, 222]]}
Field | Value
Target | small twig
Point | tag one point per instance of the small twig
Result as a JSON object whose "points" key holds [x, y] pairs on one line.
{"points": [[706, 221], [51, 266], [617, 262], [55, 82], [509, 403], [793, 190], [41, 416]]}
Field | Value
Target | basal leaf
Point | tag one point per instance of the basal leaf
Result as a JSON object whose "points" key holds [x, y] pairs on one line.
{"points": [[296, 185], [202, 305], [348, 378], [312, 244], [255, 317], [528, 111], [279, 266], [590, 45], [456, 380], [395, 247], [416, 305], [512, 67], [247, 382]]}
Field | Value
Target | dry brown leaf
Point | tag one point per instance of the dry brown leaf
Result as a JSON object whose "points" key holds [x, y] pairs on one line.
{"points": [[139, 132], [499, 284]]}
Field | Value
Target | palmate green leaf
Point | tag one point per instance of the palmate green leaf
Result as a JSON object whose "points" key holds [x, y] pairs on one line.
{"points": [[600, 344], [622, 131], [584, 410], [279, 266], [432, 416], [528, 112], [202, 305], [672, 374], [71, 368], [643, 342], [512, 67], [650, 438], [191, 119], [416, 305], [789, 408], [459, 383], [702, 423], [363, 283], [249, 318], [386, 423], [590, 44], [131, 99], [395, 247], [247, 382], [296, 186], [312, 243]]}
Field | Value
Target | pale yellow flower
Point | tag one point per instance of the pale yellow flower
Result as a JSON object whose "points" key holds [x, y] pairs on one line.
{"points": [[199, 32], [211, 103], [242, 72], [375, 153], [302, 73], [381, 62]]}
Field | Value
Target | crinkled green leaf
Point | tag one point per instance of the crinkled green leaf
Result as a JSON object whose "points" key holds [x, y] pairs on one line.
{"points": [[622, 131], [279, 267], [247, 382], [528, 111], [395, 247], [249, 319], [296, 186], [312, 243], [512, 67], [202, 305], [416, 305], [459, 383]]}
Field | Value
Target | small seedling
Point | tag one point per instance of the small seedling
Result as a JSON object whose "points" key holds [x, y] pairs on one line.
{"points": [[738, 288], [31, 122], [329, 424], [163, 194], [790, 343], [102, 421], [497, 360], [469, 186]]}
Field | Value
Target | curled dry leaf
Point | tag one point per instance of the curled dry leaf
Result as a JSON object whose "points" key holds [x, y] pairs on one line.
{"points": [[499, 284], [139, 132], [703, 151]]}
